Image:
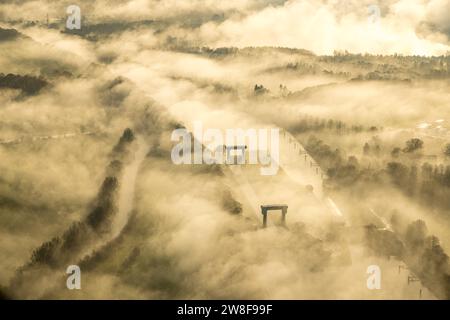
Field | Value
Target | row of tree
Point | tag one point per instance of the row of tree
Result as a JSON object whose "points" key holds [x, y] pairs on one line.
{"points": [[429, 184], [313, 124], [425, 255], [28, 84]]}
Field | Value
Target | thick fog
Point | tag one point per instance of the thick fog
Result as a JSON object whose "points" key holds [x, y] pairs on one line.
{"points": [[86, 176]]}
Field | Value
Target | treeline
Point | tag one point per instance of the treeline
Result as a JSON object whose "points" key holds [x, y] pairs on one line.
{"points": [[309, 124], [3, 294], [425, 256], [429, 184], [341, 172], [393, 67], [180, 44], [9, 34], [29, 85], [230, 204], [81, 235], [385, 60]]}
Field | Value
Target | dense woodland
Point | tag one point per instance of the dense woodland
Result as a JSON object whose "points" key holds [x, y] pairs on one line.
{"points": [[27, 84], [403, 168]]}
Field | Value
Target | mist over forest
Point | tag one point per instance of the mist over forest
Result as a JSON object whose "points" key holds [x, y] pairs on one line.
{"points": [[362, 103]]}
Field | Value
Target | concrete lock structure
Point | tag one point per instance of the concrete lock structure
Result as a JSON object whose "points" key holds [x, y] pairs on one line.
{"points": [[267, 208], [236, 153]]}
